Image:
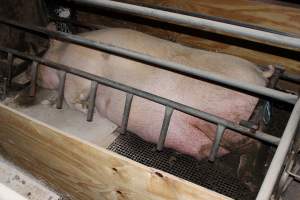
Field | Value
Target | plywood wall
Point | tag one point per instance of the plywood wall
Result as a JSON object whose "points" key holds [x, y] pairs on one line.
{"points": [[84, 171], [274, 16]]}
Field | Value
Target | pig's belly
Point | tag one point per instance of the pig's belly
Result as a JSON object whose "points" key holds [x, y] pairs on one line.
{"points": [[186, 134]]}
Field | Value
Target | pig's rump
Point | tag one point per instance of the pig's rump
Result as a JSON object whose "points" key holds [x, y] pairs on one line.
{"points": [[186, 134]]}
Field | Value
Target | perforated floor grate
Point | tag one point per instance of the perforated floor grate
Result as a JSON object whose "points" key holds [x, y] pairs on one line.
{"points": [[214, 176]]}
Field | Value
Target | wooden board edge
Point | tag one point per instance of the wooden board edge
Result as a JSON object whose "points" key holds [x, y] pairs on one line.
{"points": [[83, 170]]}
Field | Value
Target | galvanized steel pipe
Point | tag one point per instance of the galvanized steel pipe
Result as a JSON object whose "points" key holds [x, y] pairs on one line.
{"points": [[160, 63], [273, 38], [283, 148], [166, 102]]}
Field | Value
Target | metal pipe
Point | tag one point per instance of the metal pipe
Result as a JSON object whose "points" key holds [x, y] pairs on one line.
{"points": [[180, 107], [126, 113], [266, 37], [216, 144], [34, 70], [10, 60], [5, 83], [61, 89], [164, 128], [77, 23], [285, 143], [163, 64], [290, 77], [295, 176], [92, 99]]}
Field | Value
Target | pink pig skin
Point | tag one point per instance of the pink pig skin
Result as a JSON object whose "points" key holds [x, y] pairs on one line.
{"points": [[186, 134]]}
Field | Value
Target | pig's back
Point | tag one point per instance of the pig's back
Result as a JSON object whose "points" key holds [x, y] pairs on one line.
{"points": [[226, 65]]}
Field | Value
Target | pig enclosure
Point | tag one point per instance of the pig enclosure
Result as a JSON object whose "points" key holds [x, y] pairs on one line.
{"points": [[218, 174]]}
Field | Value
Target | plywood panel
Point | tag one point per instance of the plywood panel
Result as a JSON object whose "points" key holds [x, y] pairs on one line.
{"points": [[84, 171], [274, 16]]}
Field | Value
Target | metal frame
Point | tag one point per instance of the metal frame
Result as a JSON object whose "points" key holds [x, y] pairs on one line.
{"points": [[217, 25], [284, 143]]}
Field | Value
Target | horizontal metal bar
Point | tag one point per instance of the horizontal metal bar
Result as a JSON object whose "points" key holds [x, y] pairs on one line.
{"points": [[61, 89], [77, 23], [164, 128], [180, 107], [92, 99], [267, 37], [216, 144], [163, 64], [126, 113], [285, 143], [290, 77]]}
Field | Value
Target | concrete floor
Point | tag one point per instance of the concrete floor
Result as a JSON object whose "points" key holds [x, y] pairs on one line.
{"points": [[24, 184]]}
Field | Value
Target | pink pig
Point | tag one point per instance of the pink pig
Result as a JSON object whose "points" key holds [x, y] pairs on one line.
{"points": [[186, 134]]}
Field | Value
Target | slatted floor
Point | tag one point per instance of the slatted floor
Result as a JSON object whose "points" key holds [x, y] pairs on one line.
{"points": [[214, 176]]}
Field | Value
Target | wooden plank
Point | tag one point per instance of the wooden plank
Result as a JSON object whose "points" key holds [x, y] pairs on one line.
{"points": [[85, 171], [274, 16]]}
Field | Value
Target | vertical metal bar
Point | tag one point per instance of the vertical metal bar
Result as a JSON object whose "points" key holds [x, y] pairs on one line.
{"points": [[10, 59], [92, 99], [34, 70], [164, 128], [217, 141], [4, 95], [275, 168], [61, 89], [126, 113]]}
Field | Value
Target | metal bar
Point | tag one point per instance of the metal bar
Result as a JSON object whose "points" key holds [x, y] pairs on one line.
{"points": [[92, 99], [290, 77], [216, 144], [77, 23], [5, 83], [61, 89], [177, 106], [266, 37], [275, 168], [126, 113], [10, 60], [164, 128], [295, 176], [34, 71], [163, 64]]}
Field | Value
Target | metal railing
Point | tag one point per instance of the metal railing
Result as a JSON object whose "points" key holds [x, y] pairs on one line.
{"points": [[212, 24], [222, 124]]}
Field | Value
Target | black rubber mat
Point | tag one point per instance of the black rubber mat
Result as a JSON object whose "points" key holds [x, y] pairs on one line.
{"points": [[214, 176]]}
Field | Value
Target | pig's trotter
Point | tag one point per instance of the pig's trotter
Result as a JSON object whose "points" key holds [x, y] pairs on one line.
{"points": [[82, 107]]}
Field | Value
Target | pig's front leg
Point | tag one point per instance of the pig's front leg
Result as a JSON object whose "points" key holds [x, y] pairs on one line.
{"points": [[77, 93]]}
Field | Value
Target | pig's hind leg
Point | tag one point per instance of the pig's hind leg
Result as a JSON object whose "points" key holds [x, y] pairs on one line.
{"points": [[189, 135]]}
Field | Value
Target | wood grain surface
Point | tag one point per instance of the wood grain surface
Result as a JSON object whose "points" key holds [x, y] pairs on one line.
{"points": [[84, 171]]}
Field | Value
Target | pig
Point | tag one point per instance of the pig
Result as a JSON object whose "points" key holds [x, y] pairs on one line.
{"points": [[186, 134]]}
